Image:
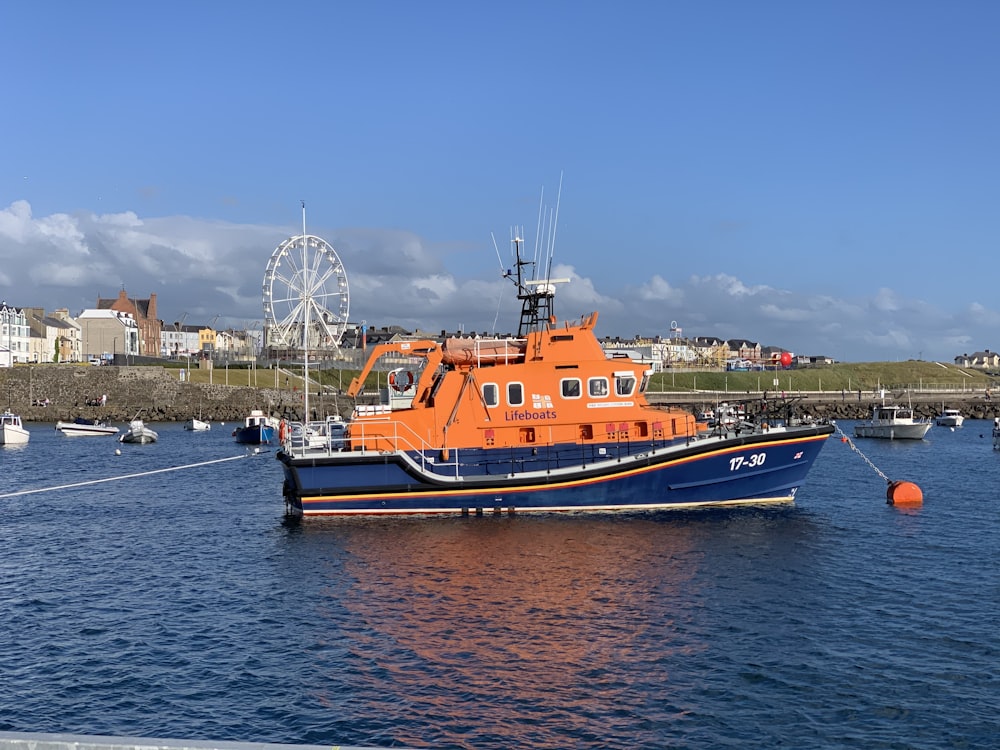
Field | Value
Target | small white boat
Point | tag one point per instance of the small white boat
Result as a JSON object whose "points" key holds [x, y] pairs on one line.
{"points": [[138, 433], [196, 425], [12, 432], [81, 427], [893, 423], [949, 418]]}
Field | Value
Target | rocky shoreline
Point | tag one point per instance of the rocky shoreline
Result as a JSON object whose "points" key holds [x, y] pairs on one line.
{"points": [[72, 391], [153, 392]]}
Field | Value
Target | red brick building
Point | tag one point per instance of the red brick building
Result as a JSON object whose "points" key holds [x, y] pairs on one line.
{"points": [[144, 312]]}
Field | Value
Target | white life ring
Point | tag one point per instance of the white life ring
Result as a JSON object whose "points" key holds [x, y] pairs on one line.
{"points": [[403, 382]]}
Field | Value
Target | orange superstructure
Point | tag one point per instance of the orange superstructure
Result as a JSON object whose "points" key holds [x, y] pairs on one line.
{"points": [[554, 386]]}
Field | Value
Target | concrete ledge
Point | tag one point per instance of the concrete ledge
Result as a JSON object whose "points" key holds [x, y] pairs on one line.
{"points": [[39, 741]]}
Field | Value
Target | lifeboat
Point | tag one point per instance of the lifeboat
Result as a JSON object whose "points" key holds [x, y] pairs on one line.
{"points": [[540, 422]]}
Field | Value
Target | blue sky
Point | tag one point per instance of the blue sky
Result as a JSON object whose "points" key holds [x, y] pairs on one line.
{"points": [[820, 176]]}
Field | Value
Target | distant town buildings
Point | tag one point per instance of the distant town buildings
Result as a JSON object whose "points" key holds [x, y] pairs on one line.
{"points": [[15, 335], [106, 333], [984, 360], [125, 328], [143, 312]]}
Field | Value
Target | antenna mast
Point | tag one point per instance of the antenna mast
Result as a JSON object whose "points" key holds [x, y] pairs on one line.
{"points": [[536, 294]]}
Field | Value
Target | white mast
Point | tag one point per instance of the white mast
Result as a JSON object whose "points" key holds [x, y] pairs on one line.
{"points": [[306, 302]]}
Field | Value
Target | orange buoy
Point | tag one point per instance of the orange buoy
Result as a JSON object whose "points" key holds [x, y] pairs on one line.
{"points": [[903, 493]]}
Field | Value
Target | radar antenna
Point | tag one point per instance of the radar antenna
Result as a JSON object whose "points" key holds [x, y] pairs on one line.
{"points": [[536, 293]]}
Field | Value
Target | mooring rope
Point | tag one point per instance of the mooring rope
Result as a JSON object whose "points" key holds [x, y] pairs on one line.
{"points": [[125, 476], [855, 448]]}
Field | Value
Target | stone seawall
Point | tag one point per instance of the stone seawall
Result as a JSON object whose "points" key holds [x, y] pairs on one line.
{"points": [[159, 396], [155, 392], [834, 406]]}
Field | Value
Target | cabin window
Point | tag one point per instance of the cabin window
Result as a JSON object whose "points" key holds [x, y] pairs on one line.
{"points": [[597, 387], [515, 394], [570, 388], [624, 383], [645, 380], [491, 394]]}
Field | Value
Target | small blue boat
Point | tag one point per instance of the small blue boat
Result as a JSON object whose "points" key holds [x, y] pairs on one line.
{"points": [[257, 429]]}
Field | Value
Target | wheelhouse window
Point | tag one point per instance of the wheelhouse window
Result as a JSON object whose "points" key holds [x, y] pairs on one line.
{"points": [[597, 387], [515, 394], [570, 388], [624, 383], [491, 394]]}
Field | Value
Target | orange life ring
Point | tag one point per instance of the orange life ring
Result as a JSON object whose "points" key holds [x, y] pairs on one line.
{"points": [[403, 382]]}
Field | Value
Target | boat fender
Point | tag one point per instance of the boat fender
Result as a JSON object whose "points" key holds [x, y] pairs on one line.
{"points": [[283, 431], [903, 493]]}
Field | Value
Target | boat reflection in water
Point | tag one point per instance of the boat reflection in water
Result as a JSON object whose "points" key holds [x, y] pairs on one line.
{"points": [[504, 620]]}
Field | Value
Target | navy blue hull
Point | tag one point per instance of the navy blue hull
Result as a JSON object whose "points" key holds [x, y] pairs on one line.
{"points": [[766, 467], [256, 435]]}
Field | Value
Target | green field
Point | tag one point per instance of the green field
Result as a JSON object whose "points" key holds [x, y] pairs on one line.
{"points": [[914, 375]]}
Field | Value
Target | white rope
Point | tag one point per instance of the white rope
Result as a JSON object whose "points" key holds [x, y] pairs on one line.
{"points": [[115, 479]]}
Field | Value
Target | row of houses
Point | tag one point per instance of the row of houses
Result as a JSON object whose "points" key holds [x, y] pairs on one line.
{"points": [[660, 353], [107, 333], [129, 327], [663, 353], [111, 331]]}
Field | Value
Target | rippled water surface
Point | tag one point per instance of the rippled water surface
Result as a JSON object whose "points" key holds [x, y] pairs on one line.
{"points": [[184, 605]]}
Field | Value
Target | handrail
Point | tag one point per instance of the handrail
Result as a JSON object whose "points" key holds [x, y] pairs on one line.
{"points": [[366, 443]]}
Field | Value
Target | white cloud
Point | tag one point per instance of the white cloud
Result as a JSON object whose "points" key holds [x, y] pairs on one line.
{"points": [[658, 289], [207, 268], [59, 231], [885, 300]]}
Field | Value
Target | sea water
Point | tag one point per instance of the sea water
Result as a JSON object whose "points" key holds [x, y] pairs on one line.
{"points": [[183, 604]]}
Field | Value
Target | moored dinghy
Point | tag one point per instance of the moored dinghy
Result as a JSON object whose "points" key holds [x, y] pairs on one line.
{"points": [[138, 433], [82, 427], [949, 418]]}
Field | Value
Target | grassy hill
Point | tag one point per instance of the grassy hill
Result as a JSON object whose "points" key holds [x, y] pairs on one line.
{"points": [[893, 376]]}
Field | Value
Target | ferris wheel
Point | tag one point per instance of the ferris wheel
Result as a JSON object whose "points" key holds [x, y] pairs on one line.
{"points": [[306, 299]]}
